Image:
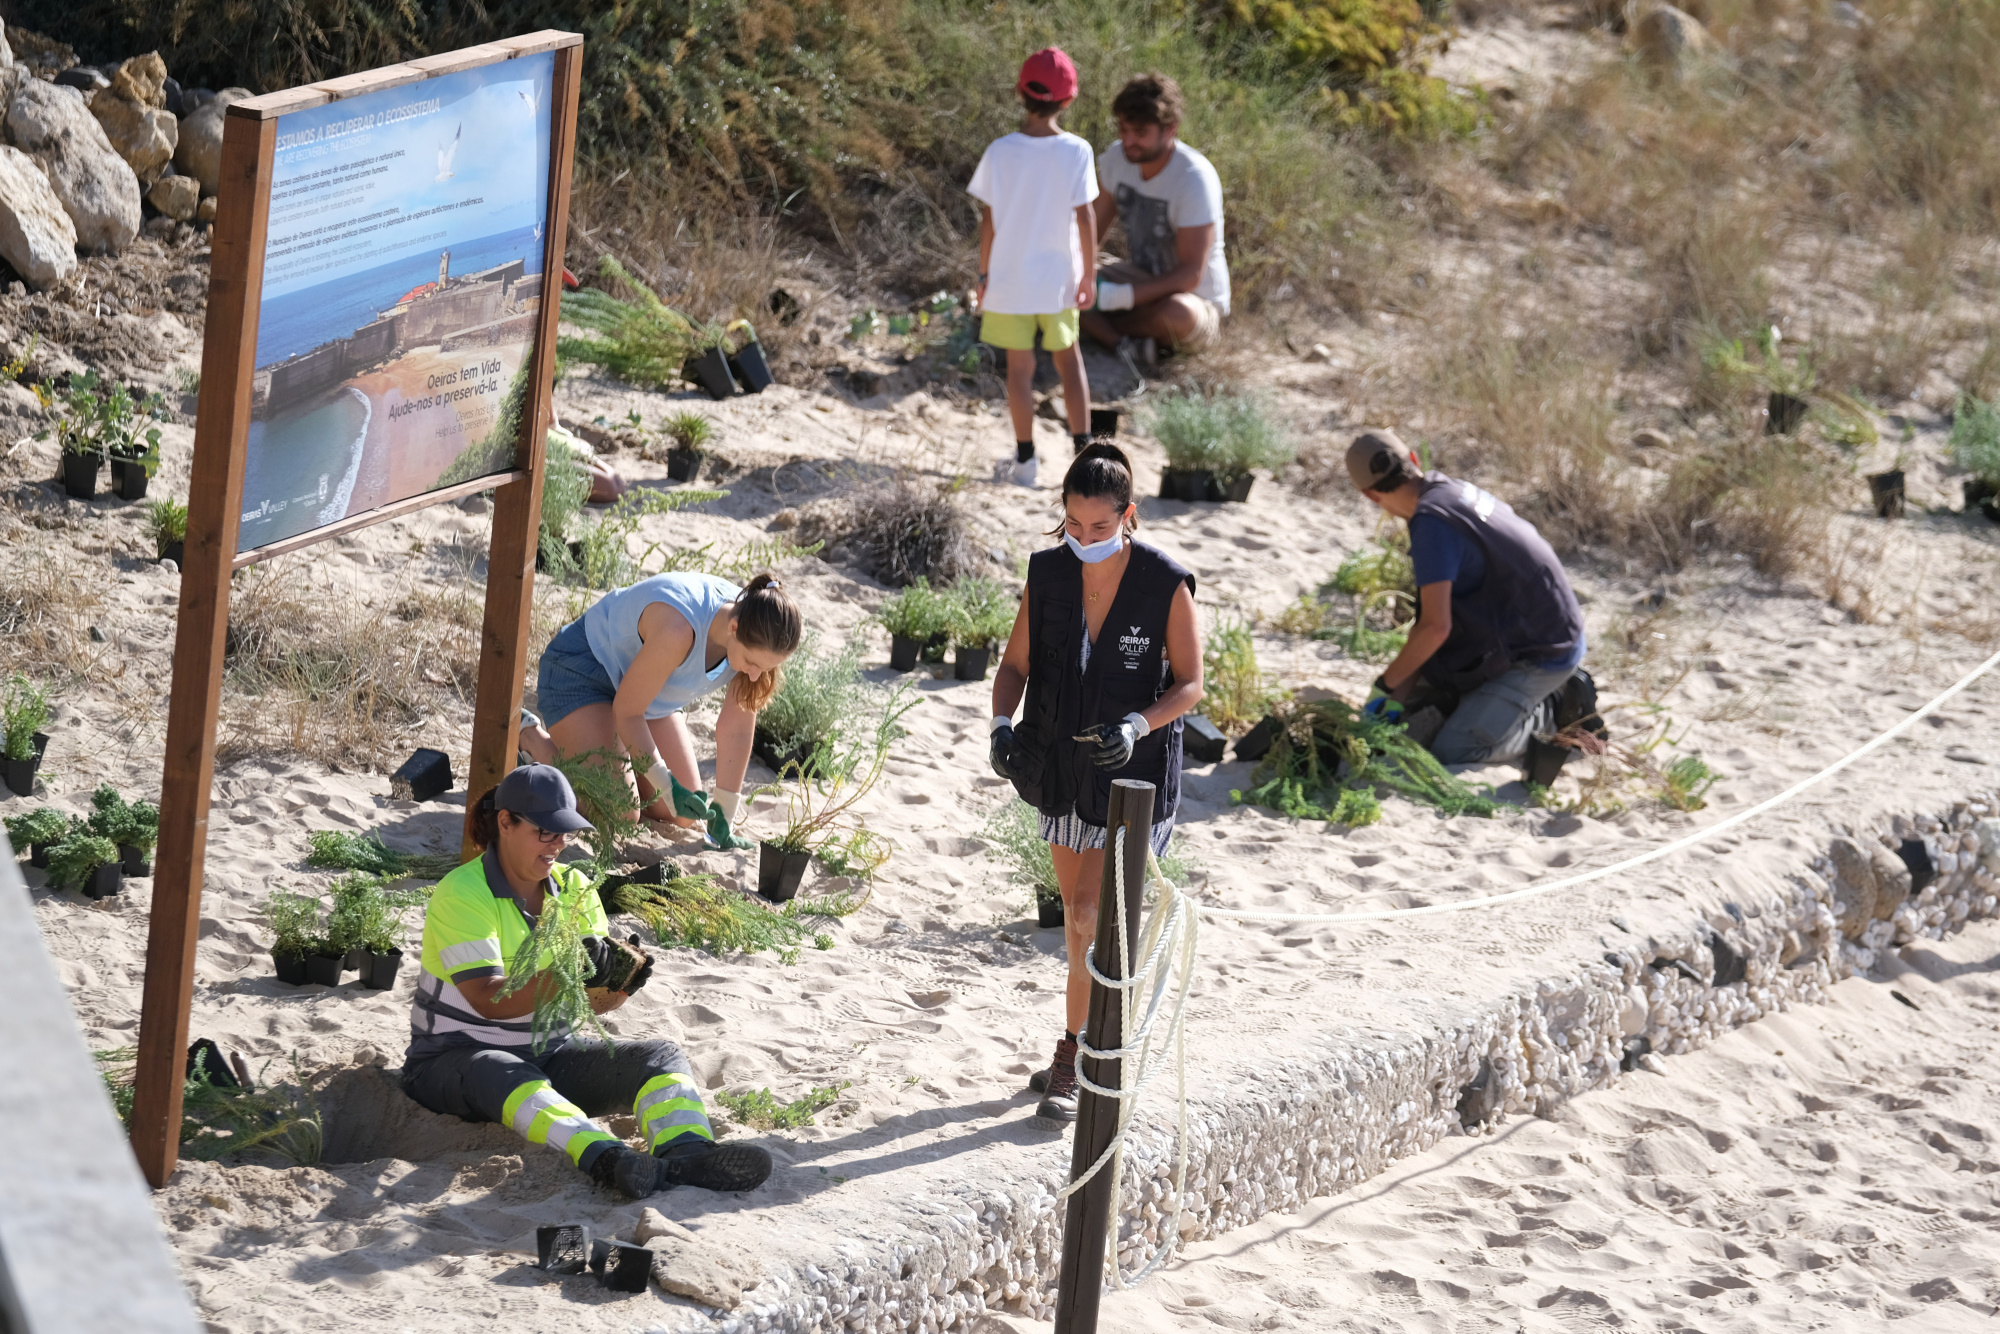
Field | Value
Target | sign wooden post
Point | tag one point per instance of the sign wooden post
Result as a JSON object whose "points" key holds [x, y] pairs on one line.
{"points": [[1080, 1281], [360, 366]]}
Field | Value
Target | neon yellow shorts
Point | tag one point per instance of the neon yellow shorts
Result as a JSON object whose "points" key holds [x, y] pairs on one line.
{"points": [[1016, 333]]}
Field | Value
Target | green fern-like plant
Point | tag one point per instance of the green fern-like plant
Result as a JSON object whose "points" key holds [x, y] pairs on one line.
{"points": [[1975, 438], [42, 827], [553, 958], [24, 711], [918, 612], [642, 341], [699, 912], [344, 850], [1015, 832]]}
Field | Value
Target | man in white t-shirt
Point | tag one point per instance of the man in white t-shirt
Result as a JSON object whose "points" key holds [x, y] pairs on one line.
{"points": [[1038, 250], [1174, 289]]}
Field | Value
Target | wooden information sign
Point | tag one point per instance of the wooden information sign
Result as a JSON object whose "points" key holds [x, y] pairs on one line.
{"points": [[385, 280]]}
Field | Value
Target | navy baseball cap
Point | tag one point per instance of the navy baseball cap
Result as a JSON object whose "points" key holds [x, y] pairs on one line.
{"points": [[539, 794]]}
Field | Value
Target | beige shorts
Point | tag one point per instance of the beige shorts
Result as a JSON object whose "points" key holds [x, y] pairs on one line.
{"points": [[1208, 316]]}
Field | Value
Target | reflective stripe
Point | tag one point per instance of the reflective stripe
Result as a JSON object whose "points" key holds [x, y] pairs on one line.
{"points": [[540, 1115], [669, 1106], [456, 957], [440, 1007], [660, 1088]]}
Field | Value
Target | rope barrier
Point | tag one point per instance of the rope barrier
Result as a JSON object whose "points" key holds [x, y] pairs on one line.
{"points": [[1642, 859], [1168, 947]]}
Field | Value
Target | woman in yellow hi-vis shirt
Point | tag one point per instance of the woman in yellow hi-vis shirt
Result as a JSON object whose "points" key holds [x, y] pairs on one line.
{"points": [[471, 1053]]}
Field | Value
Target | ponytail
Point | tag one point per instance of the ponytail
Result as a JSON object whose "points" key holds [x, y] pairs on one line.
{"points": [[766, 619], [1101, 469], [486, 820]]}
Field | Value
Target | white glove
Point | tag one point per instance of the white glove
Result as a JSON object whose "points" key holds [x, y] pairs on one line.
{"points": [[728, 803], [1140, 727], [662, 780], [1114, 296]]}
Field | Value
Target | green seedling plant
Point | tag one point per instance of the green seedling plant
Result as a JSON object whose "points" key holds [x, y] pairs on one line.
{"points": [[43, 827], [97, 420], [366, 914], [1250, 439], [642, 341], [1015, 831], [688, 431], [128, 824], [699, 912], [820, 700], [295, 923], [606, 797], [167, 520], [1328, 749], [554, 953], [1686, 783], [1975, 438], [826, 788], [917, 612], [1235, 691], [1190, 427], [24, 710], [982, 612], [72, 861], [1760, 363], [736, 564], [344, 850], [761, 1110]]}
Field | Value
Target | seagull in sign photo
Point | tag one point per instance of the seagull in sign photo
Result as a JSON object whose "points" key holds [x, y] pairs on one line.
{"points": [[532, 97], [447, 153]]}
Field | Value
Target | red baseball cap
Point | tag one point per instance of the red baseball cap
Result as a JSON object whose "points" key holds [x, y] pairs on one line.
{"points": [[1048, 76]]}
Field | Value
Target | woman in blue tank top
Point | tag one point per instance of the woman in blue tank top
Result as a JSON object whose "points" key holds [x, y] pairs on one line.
{"points": [[618, 677]]}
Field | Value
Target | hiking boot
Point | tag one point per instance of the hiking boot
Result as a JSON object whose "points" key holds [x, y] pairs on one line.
{"points": [[1058, 1105], [1065, 1055], [622, 1168], [693, 1161], [1576, 703]]}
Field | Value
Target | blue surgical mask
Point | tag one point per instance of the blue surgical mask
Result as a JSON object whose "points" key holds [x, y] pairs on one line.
{"points": [[1096, 551]]}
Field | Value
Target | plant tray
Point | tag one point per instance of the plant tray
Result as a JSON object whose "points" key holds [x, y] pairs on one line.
{"points": [[562, 1249]]}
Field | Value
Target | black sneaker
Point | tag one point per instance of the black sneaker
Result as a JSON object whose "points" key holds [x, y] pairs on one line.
{"points": [[1058, 1105], [1065, 1055], [710, 1166], [624, 1169]]}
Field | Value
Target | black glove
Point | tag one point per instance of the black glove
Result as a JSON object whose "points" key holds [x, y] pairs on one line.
{"points": [[603, 956], [1113, 741], [639, 978], [1003, 752]]}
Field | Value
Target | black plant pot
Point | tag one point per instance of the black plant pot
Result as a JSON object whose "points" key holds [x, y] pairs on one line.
{"points": [[969, 664], [1103, 423], [378, 971], [20, 774], [1193, 485], [710, 370], [750, 367], [1202, 742], [771, 757], [104, 882], [290, 968], [779, 872], [134, 861], [563, 1248], [175, 552], [1256, 743], [1886, 488], [79, 475], [903, 653], [426, 774], [1978, 491], [626, 1268], [38, 855], [1048, 912], [1783, 414], [935, 646], [355, 960], [683, 465], [1237, 489], [128, 479], [323, 970]]}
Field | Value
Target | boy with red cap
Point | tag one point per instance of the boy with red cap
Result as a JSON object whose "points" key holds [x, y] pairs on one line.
{"points": [[1038, 249]]}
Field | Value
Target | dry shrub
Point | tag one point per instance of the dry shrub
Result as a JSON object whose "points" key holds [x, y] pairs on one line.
{"points": [[321, 673], [906, 529], [46, 603]]}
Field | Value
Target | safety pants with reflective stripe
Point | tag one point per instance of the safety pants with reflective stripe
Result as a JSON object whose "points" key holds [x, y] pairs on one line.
{"points": [[669, 1108], [540, 1115]]}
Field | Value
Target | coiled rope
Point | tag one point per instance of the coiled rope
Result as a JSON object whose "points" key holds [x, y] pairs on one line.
{"points": [[1172, 931]]}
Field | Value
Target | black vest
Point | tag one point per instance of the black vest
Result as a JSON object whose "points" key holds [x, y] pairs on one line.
{"points": [[1128, 671], [1523, 611]]}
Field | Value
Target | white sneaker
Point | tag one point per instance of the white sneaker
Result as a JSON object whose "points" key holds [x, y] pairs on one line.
{"points": [[1025, 473]]}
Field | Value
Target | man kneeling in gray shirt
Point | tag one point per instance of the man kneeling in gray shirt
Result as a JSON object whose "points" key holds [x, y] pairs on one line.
{"points": [[1174, 289]]}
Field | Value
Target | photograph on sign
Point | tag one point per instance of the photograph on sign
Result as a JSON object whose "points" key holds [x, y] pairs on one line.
{"points": [[402, 284]]}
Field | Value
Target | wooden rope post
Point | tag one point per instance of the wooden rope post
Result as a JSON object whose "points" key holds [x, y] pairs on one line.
{"points": [[1081, 1283]]}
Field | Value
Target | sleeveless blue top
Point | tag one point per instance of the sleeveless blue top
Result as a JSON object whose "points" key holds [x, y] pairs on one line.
{"points": [[612, 627]]}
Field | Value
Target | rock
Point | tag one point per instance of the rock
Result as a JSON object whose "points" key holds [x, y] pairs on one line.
{"points": [[198, 153], [144, 136], [206, 212], [170, 96], [82, 78], [97, 190], [685, 1265], [1854, 887], [36, 235], [6, 51], [142, 79], [1650, 439], [1670, 40], [1633, 1014], [1892, 881], [176, 196]]}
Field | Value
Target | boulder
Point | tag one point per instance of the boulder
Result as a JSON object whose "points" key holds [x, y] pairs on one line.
{"points": [[142, 79], [99, 192], [1854, 887], [1670, 40], [177, 197], [205, 213], [36, 235], [1892, 881], [82, 78], [6, 51], [689, 1267], [143, 135], [199, 152]]}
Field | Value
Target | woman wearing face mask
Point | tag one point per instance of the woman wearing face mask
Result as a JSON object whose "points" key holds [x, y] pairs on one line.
{"points": [[1105, 646], [618, 677]]}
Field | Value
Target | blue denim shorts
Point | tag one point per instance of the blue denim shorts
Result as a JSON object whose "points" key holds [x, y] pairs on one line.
{"points": [[570, 676]]}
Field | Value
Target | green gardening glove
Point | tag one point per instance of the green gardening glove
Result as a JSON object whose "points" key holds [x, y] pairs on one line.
{"points": [[720, 833], [693, 805]]}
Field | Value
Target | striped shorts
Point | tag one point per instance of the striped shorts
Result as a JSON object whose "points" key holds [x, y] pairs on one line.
{"points": [[1069, 831]]}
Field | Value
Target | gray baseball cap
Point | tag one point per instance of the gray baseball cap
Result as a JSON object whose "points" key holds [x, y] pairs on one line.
{"points": [[539, 794], [1380, 461]]}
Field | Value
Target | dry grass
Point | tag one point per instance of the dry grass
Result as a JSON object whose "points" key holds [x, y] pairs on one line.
{"points": [[901, 530], [47, 606]]}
